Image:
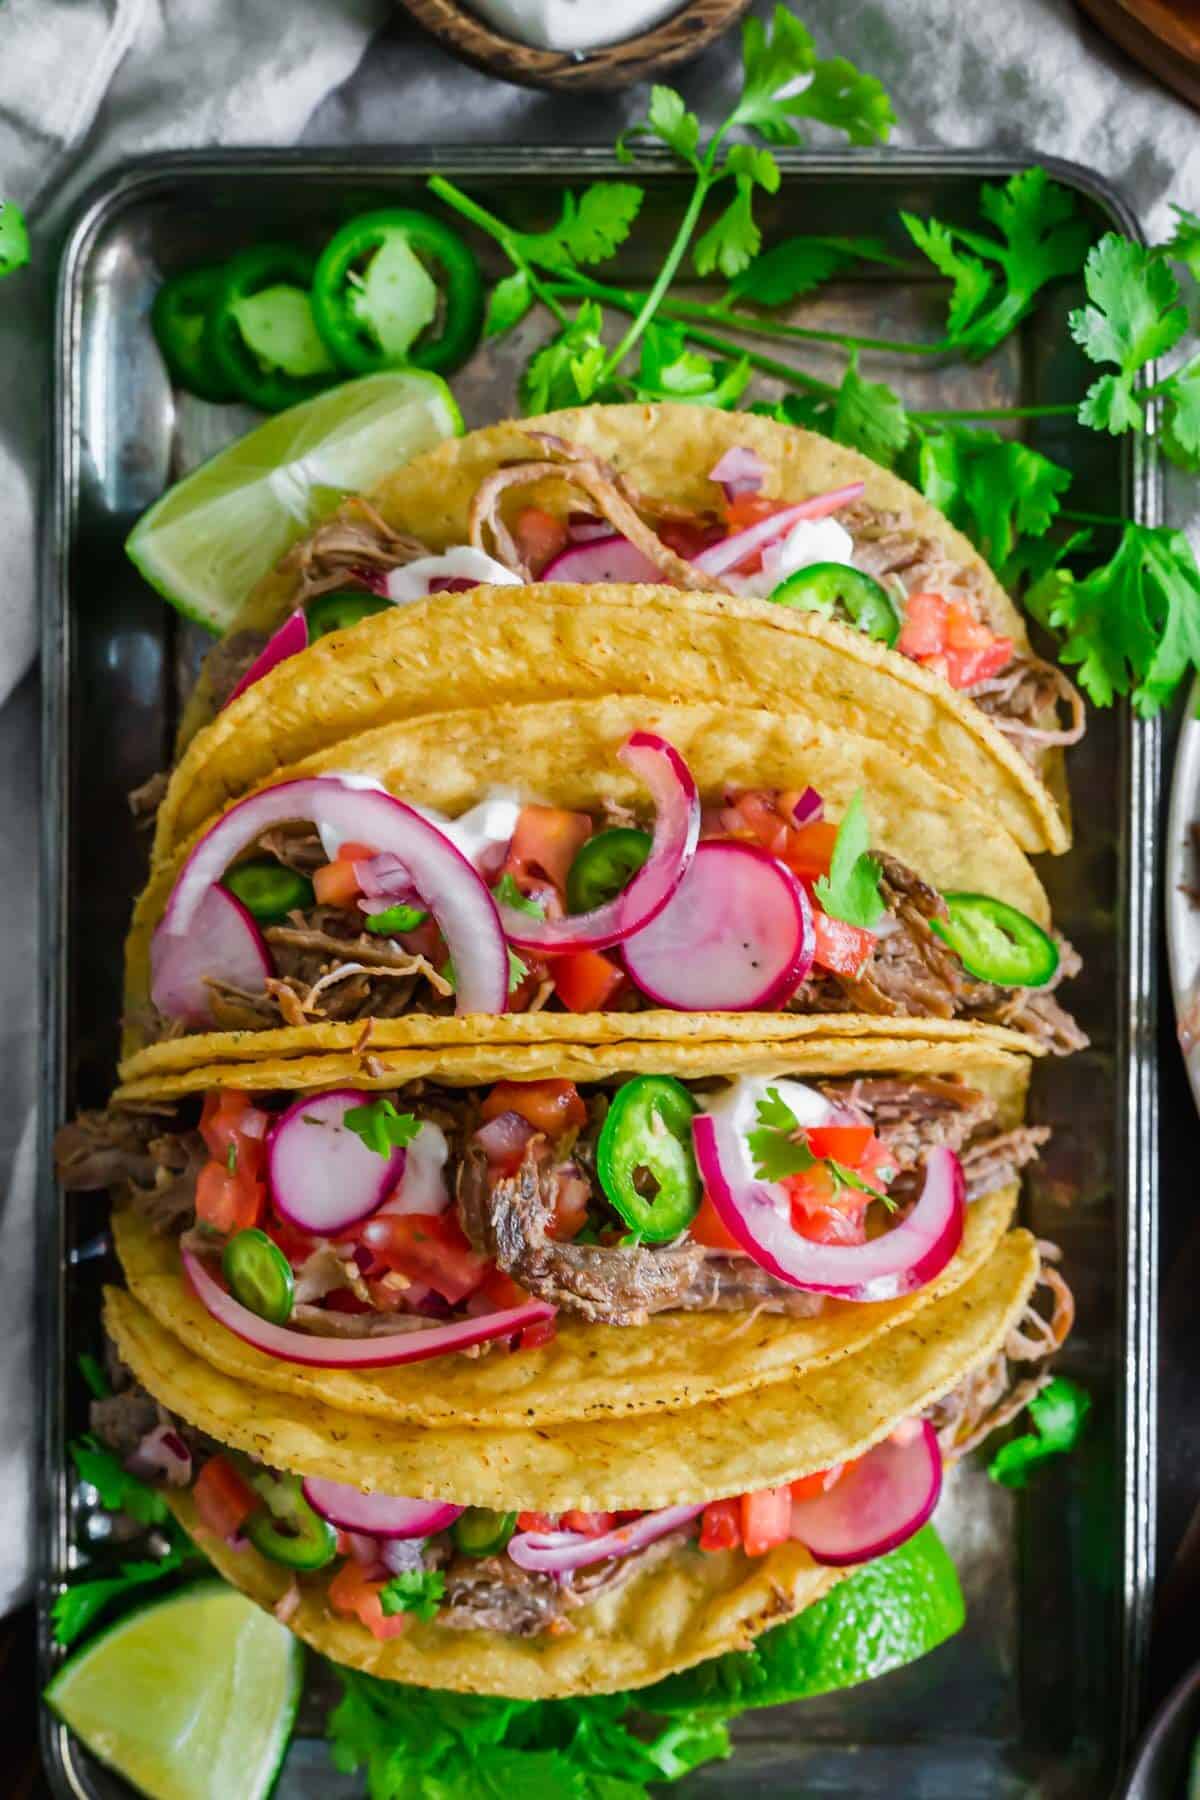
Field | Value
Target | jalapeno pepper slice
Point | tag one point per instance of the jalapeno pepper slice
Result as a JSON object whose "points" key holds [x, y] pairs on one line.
{"points": [[288, 1530], [604, 865], [260, 333], [396, 918], [380, 285], [481, 1532], [996, 942], [823, 586], [267, 890], [334, 612], [644, 1157], [259, 1275], [179, 320]]}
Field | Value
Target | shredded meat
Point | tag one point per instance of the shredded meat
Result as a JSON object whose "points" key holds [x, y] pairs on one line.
{"points": [[156, 1163], [994, 1394], [913, 1114], [229, 660], [356, 545], [1023, 700], [492, 1594], [145, 801], [122, 1420], [996, 1162], [298, 850]]}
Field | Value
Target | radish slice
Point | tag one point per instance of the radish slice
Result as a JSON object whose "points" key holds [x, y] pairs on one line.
{"points": [[676, 830], [289, 640], [322, 1176], [736, 934], [719, 558], [758, 1214], [222, 943], [354, 1353], [377, 1515], [367, 814], [556, 1552], [609, 558], [740, 471], [877, 1504]]}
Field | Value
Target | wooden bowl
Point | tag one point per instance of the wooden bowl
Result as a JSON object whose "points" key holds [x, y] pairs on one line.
{"points": [[687, 32]]}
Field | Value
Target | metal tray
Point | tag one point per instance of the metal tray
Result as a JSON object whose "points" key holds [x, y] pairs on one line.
{"points": [[1039, 1693]]}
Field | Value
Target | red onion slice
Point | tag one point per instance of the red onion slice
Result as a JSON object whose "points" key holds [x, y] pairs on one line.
{"points": [[719, 558], [222, 941], [877, 1504], [289, 640], [377, 1515], [758, 1214], [322, 1176], [162, 1455], [608, 558], [354, 1353], [557, 1552], [808, 808], [366, 814], [736, 934], [740, 471], [676, 831]]}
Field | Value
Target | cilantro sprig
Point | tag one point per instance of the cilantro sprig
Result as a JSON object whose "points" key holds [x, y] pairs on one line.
{"points": [[779, 1149], [381, 1128], [14, 239], [850, 891], [1058, 1413], [415, 1591]]}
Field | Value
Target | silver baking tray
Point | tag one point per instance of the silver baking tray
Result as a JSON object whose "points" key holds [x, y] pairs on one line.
{"points": [[1039, 1693]]}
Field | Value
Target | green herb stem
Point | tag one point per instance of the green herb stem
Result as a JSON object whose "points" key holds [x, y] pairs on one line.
{"points": [[1069, 408], [666, 275], [754, 325], [1089, 518], [462, 204]]}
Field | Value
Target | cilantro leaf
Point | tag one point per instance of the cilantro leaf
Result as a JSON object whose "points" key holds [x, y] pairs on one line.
{"points": [[776, 1113], [1184, 243], [77, 1607], [14, 239], [668, 119], [395, 918], [119, 1491], [1134, 315], [799, 264], [590, 227], [518, 969], [565, 371], [733, 240], [776, 1152], [870, 416], [850, 891], [416, 1591], [381, 1128], [1058, 1413], [507, 893], [1181, 421], [1131, 626], [836, 94], [508, 303], [97, 1381], [1040, 238], [993, 488], [669, 370]]}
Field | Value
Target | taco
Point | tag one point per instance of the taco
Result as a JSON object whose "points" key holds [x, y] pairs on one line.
{"points": [[883, 604], [574, 1559], [619, 1242], [596, 870]]}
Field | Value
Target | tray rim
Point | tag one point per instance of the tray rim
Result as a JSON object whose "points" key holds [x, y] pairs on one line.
{"points": [[133, 181]]}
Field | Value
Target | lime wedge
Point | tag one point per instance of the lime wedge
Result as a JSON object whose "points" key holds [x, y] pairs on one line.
{"points": [[190, 1698], [219, 530]]}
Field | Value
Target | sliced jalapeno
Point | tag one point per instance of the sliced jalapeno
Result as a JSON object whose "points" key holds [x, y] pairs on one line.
{"points": [[288, 1530], [267, 890], [259, 1275], [380, 285], [179, 320], [996, 942], [604, 865], [395, 919], [823, 587], [481, 1532], [260, 333], [333, 612], [644, 1157]]}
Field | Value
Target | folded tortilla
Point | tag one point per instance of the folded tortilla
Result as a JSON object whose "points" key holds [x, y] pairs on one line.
{"points": [[588, 1372], [508, 646], [565, 753]]}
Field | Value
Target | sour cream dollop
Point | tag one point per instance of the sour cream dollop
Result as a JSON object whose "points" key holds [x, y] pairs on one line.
{"points": [[461, 563], [809, 541]]}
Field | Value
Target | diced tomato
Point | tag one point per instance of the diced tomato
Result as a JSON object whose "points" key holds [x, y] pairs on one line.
{"points": [[585, 981], [501, 1289], [688, 539], [923, 632], [744, 510], [223, 1500], [296, 1245], [545, 843], [946, 637], [352, 852], [352, 1594], [844, 1143], [708, 1228], [877, 1165], [842, 948], [965, 667], [721, 1525], [589, 1524], [231, 1118], [823, 1212], [766, 818], [428, 1247], [540, 537], [809, 1487], [810, 848], [336, 884], [534, 1336], [537, 1521], [229, 1199], [550, 1106], [766, 1519], [572, 1193]]}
